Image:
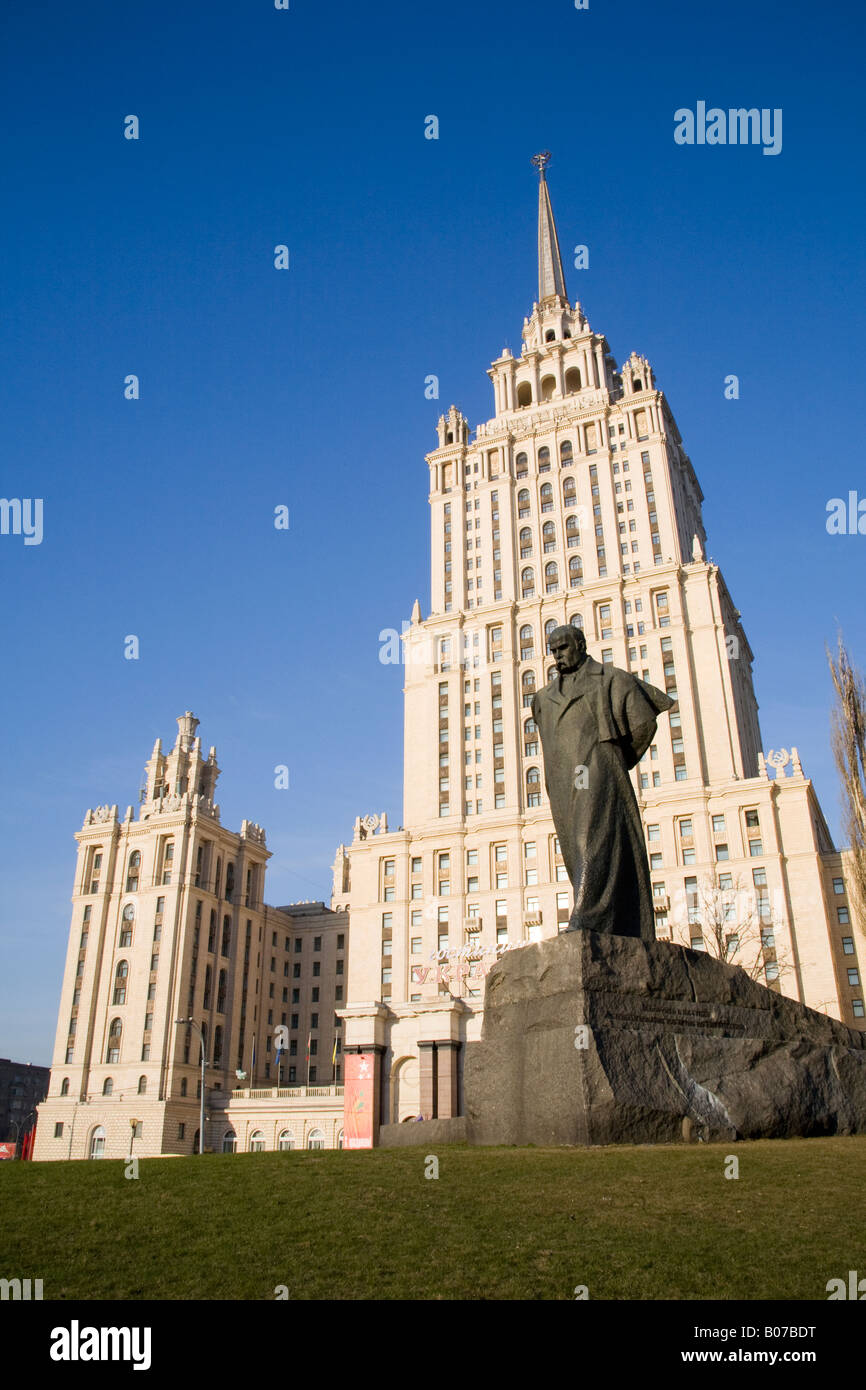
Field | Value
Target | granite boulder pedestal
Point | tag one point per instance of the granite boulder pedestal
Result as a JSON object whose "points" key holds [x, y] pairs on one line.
{"points": [[591, 1038]]}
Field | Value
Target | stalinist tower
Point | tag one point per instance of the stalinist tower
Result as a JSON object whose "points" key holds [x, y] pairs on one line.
{"points": [[575, 503]]}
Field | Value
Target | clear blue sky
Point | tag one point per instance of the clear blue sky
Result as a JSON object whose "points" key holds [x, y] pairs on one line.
{"points": [[306, 387]]}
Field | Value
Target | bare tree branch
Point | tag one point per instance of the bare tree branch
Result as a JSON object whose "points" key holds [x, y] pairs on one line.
{"points": [[848, 740]]}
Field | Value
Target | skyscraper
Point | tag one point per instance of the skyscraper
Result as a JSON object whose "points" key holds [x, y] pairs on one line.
{"points": [[576, 502], [170, 938]]}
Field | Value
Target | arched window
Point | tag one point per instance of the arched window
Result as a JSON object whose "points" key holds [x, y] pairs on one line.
{"points": [[126, 924], [167, 862], [257, 1142], [546, 497], [565, 453], [120, 974], [221, 992], [230, 882], [208, 986], [572, 381], [533, 786], [227, 936], [64, 1086], [527, 680], [97, 1143], [108, 1086], [315, 1139], [575, 572], [211, 933], [548, 628], [572, 531], [132, 871], [530, 739], [550, 337], [521, 466], [551, 578], [286, 1140], [115, 1033], [548, 386], [525, 543], [524, 395], [217, 1045], [142, 1085], [523, 503], [544, 460], [219, 877], [527, 643], [576, 620], [638, 384], [569, 493], [183, 1086], [548, 534], [230, 1142], [527, 584]]}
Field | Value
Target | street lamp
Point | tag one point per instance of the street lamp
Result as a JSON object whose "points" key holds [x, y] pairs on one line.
{"points": [[190, 1022], [18, 1124]]}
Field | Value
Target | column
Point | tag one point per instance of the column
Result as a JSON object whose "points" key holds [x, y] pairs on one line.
{"points": [[446, 1055], [427, 1079]]}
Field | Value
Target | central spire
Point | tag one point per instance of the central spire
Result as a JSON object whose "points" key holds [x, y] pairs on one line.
{"points": [[551, 278]]}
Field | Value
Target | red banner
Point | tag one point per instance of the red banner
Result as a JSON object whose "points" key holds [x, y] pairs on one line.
{"points": [[358, 1099]]}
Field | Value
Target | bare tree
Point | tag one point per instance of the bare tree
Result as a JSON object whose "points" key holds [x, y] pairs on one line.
{"points": [[848, 736], [736, 926]]}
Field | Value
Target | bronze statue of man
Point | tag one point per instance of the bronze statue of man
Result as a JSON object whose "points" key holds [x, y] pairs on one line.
{"points": [[596, 722]]}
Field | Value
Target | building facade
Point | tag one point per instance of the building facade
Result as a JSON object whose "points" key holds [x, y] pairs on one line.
{"points": [[169, 924], [22, 1087], [576, 502]]}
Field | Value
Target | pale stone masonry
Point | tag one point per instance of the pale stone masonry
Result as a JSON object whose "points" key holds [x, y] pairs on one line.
{"points": [[168, 923], [575, 503]]}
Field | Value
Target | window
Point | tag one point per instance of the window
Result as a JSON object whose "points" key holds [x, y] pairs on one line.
{"points": [[115, 1034], [842, 916], [58, 1129], [857, 1006], [257, 1142], [527, 643], [126, 924], [756, 848], [838, 885], [286, 1141], [853, 977], [315, 1139], [120, 977], [97, 1143], [132, 871], [527, 584], [848, 945]]}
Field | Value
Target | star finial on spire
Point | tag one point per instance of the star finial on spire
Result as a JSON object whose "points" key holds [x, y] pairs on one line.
{"points": [[541, 161]]}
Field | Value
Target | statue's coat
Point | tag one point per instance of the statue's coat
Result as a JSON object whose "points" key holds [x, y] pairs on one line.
{"points": [[595, 724]]}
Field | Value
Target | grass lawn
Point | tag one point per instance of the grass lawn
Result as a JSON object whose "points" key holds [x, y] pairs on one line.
{"points": [[629, 1223]]}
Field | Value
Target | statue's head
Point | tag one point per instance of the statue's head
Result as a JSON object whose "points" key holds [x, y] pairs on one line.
{"points": [[568, 646]]}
